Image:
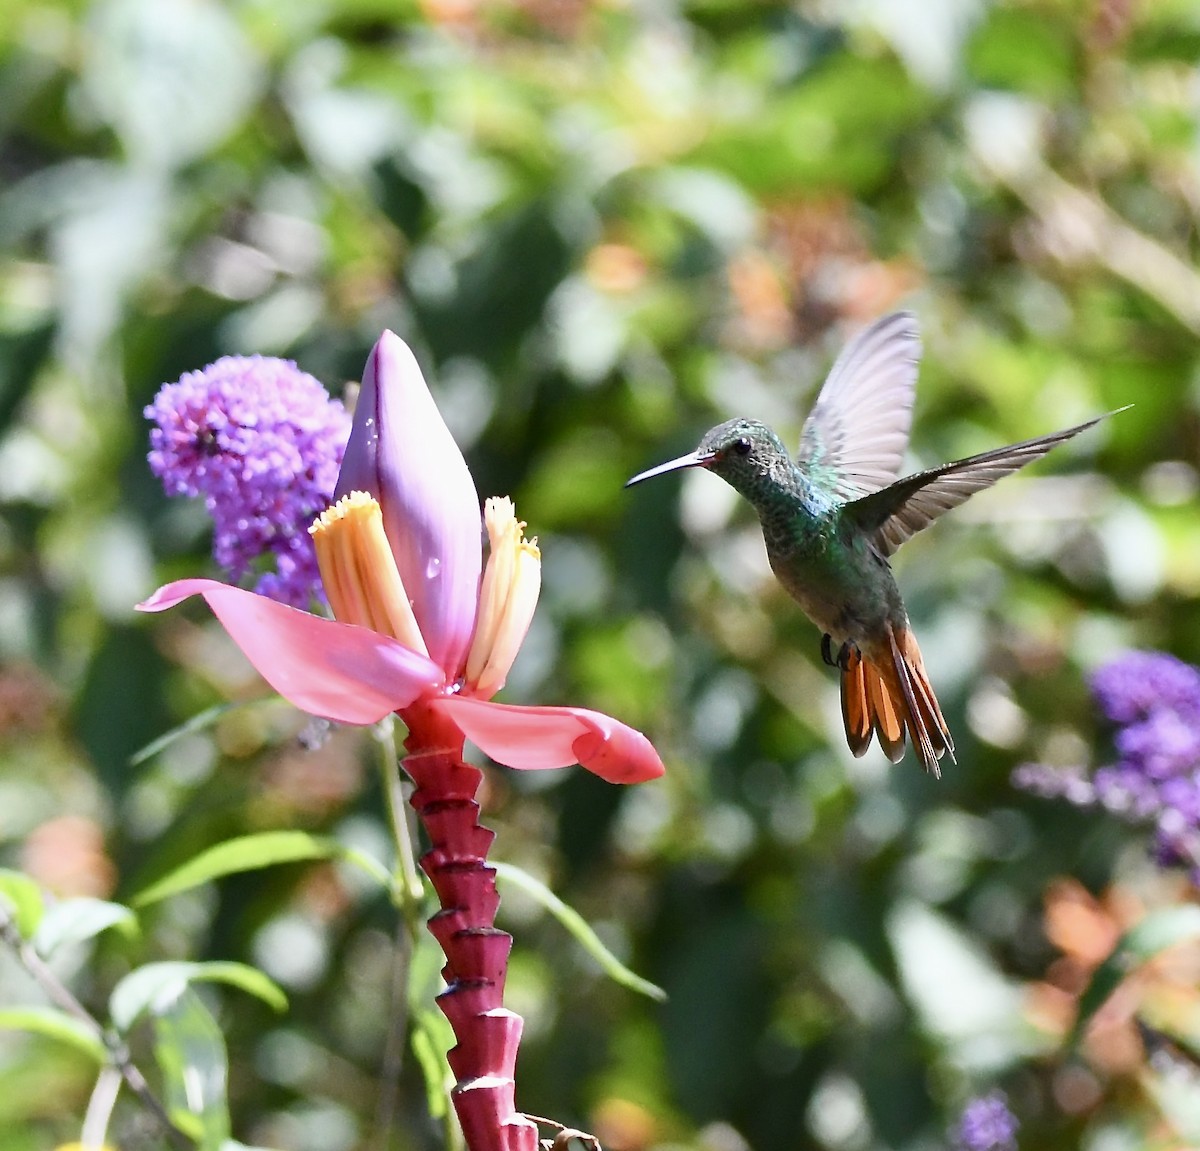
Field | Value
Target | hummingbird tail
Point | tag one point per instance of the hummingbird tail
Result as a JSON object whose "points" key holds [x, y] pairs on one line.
{"points": [[886, 697], [867, 706]]}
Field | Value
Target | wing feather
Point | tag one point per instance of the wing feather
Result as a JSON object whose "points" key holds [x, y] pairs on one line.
{"points": [[858, 429], [899, 511]]}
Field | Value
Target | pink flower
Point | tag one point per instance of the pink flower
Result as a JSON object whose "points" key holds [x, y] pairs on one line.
{"points": [[401, 562]]}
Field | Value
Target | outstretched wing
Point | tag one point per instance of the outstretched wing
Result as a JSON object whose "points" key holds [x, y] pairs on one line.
{"points": [[901, 510], [855, 436]]}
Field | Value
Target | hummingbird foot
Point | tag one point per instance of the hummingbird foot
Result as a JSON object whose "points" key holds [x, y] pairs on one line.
{"points": [[842, 659], [827, 650]]}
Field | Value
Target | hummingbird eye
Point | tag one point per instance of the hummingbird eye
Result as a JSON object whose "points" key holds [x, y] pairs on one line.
{"points": [[741, 446]]}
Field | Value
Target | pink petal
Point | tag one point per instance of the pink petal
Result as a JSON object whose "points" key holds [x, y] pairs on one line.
{"points": [[402, 453], [536, 738], [344, 673]]}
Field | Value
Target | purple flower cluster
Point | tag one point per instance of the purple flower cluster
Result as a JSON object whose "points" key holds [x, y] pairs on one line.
{"points": [[987, 1124], [1153, 700], [262, 442]]}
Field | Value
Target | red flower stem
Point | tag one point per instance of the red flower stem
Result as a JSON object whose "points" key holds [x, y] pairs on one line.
{"points": [[484, 1058]]}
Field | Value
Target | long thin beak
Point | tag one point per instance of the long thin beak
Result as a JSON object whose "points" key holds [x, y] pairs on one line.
{"points": [[691, 460]]}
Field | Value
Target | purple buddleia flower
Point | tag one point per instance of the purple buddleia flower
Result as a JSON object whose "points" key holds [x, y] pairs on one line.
{"points": [[1138, 684], [262, 442], [1055, 783], [1153, 699], [986, 1124]]}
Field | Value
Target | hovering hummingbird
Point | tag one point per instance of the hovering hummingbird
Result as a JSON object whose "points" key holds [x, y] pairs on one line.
{"points": [[833, 516]]}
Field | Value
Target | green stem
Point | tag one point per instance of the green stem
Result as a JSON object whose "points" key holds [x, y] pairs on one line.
{"points": [[60, 995], [100, 1109], [407, 894], [408, 891]]}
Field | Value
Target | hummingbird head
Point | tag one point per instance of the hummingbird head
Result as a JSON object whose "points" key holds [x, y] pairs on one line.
{"points": [[744, 453]]}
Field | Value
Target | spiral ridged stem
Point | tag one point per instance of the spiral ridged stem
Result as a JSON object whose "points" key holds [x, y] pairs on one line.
{"points": [[484, 1058]]}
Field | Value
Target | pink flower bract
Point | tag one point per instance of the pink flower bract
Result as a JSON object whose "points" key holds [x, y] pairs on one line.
{"points": [[402, 453]]}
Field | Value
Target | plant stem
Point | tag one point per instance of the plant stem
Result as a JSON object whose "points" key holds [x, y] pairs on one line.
{"points": [[393, 1052], [100, 1109], [58, 994], [407, 893]]}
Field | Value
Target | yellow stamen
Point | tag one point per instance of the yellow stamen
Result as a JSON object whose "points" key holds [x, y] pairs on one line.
{"points": [[359, 570], [507, 597]]}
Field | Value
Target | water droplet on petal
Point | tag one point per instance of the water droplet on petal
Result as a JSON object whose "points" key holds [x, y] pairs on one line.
{"points": [[433, 568]]}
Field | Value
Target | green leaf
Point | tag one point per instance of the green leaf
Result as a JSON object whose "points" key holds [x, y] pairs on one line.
{"points": [[24, 897], [77, 920], [22, 353], [1022, 50], [143, 989], [190, 1051], [55, 1024], [1175, 1086], [431, 1036], [841, 128], [367, 864], [431, 1039], [424, 972], [246, 853], [1153, 935], [168, 116], [199, 722], [580, 929]]}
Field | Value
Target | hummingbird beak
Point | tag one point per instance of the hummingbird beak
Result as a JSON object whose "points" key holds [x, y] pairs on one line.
{"points": [[691, 460]]}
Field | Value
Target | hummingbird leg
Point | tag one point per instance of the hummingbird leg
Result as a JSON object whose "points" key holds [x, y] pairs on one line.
{"points": [[827, 650]]}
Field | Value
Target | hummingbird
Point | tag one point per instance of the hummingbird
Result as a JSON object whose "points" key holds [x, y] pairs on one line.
{"points": [[833, 516]]}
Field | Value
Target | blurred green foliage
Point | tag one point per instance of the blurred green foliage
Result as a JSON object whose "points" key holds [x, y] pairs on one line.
{"points": [[604, 227]]}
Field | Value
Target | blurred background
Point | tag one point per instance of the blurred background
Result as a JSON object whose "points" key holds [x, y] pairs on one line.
{"points": [[605, 225]]}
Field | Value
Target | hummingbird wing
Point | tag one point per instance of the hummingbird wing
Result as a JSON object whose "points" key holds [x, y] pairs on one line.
{"points": [[902, 509], [855, 436]]}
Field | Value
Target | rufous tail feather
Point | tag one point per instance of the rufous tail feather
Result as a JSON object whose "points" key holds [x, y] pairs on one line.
{"points": [[856, 708], [890, 696]]}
